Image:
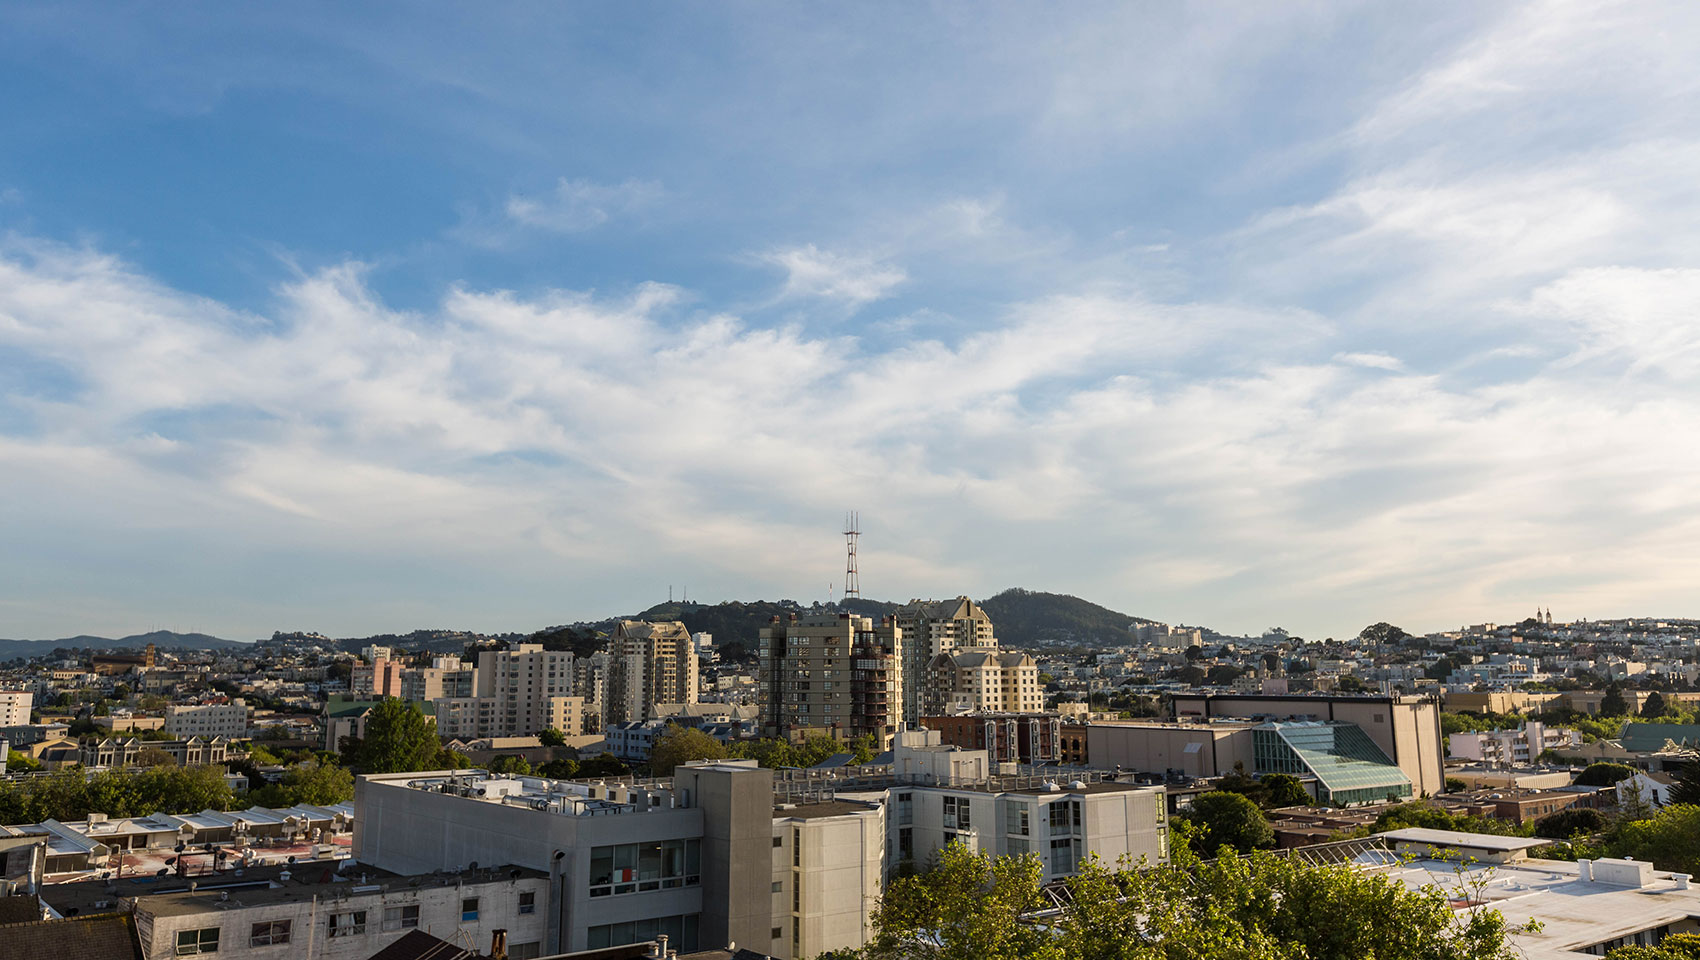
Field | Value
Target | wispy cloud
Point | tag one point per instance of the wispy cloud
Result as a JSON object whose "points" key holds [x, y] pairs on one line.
{"points": [[579, 205], [849, 279]]}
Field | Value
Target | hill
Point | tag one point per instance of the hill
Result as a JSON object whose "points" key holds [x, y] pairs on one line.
{"points": [[1028, 618], [163, 639]]}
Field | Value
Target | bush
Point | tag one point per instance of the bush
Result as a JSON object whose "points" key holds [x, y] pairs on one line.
{"points": [[1604, 774], [1567, 823]]}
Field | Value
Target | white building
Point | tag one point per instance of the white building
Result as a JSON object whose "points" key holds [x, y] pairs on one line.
{"points": [[1653, 789], [1520, 747], [520, 683], [350, 920], [828, 874], [15, 706], [228, 720]]}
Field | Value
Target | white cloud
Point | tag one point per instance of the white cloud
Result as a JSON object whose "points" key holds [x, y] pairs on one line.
{"points": [[853, 280], [1375, 361], [578, 205]]}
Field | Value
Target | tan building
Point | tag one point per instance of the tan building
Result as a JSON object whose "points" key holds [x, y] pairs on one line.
{"points": [[228, 720], [981, 680], [828, 862], [933, 627], [648, 663], [520, 682], [836, 674], [1405, 728]]}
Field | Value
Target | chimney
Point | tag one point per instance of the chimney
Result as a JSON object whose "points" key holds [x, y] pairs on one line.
{"points": [[499, 944]]}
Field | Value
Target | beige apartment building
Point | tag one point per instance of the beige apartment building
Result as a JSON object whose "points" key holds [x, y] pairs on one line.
{"points": [[931, 628], [981, 681], [228, 720], [648, 663], [834, 674], [15, 706], [520, 684]]}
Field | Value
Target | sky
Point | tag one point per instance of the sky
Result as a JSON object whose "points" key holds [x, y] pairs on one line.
{"points": [[363, 318]]}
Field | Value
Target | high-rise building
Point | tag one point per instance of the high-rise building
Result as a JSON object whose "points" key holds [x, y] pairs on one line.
{"points": [[932, 627], [835, 674], [521, 681], [978, 680], [648, 663]]}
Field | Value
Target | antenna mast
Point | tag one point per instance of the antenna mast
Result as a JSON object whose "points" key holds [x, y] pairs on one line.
{"points": [[852, 530]]}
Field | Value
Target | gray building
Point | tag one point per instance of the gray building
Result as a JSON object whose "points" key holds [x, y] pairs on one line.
{"points": [[625, 864]]}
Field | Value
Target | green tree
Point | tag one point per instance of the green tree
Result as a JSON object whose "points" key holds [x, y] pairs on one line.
{"points": [[1654, 705], [1382, 633], [1568, 823], [552, 737], [1228, 819], [1604, 774], [679, 745], [968, 907], [1670, 839], [509, 764], [603, 764], [21, 762], [564, 769], [1285, 790], [399, 739], [1613, 704], [312, 782], [154, 757], [1677, 946], [1686, 789], [1257, 907], [1455, 785]]}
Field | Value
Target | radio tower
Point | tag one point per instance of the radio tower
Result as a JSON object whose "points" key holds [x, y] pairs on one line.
{"points": [[852, 530]]}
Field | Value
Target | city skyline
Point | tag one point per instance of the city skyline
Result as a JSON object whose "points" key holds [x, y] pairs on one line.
{"points": [[1236, 317]]}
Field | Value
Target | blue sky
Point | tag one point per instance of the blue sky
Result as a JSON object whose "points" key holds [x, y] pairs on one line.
{"points": [[361, 318]]}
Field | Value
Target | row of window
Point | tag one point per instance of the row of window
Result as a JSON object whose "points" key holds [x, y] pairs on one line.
{"points": [[353, 923], [680, 930], [640, 867]]}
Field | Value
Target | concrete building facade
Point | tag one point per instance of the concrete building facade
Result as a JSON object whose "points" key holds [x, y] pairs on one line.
{"points": [[1009, 737], [15, 707], [228, 720], [520, 682], [347, 921], [838, 674], [932, 627]]}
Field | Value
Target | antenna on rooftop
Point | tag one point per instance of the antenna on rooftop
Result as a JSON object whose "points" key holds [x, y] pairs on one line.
{"points": [[852, 530]]}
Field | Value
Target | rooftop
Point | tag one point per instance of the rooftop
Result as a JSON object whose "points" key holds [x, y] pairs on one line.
{"points": [[822, 809], [1458, 840]]}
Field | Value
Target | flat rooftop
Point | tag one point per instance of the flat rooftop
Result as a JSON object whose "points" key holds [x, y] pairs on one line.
{"points": [[823, 809], [1575, 914], [1454, 839], [542, 794], [280, 883]]}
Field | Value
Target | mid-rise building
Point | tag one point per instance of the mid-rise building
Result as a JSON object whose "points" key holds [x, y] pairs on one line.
{"points": [[126, 751], [15, 706], [1520, 747], [445, 677], [228, 719], [299, 917], [521, 682], [1009, 737], [648, 663], [980, 680], [836, 674], [1405, 729], [932, 627]]}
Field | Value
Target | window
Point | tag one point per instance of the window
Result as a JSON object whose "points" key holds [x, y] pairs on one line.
{"points": [[778, 842], [796, 848], [681, 930], [796, 893], [906, 843], [525, 951], [634, 867], [1016, 820], [348, 924], [192, 942], [778, 886], [468, 909], [401, 918], [528, 902], [906, 808], [778, 933], [269, 933]]}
